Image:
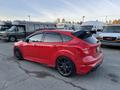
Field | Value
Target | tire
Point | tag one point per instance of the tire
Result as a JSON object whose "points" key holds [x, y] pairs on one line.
{"points": [[12, 39], [65, 67], [94, 69], [18, 54]]}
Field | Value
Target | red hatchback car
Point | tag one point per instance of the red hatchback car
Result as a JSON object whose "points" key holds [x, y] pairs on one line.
{"points": [[69, 52]]}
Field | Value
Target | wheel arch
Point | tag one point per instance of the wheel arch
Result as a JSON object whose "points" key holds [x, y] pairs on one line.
{"points": [[64, 53]]}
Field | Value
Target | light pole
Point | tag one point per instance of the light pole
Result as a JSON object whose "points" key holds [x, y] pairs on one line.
{"points": [[29, 17], [83, 18], [106, 19]]}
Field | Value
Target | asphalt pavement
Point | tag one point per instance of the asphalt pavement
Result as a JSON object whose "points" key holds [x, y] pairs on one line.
{"points": [[26, 75]]}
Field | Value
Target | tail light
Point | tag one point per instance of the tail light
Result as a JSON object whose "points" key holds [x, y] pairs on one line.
{"points": [[85, 50]]}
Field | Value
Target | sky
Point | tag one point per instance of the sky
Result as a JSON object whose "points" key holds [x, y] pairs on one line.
{"points": [[50, 10]]}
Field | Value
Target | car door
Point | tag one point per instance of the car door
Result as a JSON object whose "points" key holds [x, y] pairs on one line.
{"points": [[20, 32], [50, 44], [32, 47]]}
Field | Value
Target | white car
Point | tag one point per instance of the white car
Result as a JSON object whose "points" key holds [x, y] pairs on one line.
{"points": [[110, 35]]}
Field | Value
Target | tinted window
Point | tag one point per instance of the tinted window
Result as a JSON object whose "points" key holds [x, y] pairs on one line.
{"points": [[20, 29], [12, 29], [52, 37], [66, 38], [36, 38]]}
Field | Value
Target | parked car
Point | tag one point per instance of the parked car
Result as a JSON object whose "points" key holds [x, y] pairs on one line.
{"points": [[110, 35], [4, 25], [69, 52], [21, 29]]}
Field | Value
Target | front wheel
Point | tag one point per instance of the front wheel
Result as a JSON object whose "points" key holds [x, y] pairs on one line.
{"points": [[18, 54], [12, 39], [65, 67]]}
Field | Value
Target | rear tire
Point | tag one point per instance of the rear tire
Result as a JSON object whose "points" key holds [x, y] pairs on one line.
{"points": [[94, 69], [18, 54], [65, 66]]}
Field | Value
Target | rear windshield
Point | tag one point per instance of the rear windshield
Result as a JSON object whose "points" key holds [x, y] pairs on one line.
{"points": [[86, 36]]}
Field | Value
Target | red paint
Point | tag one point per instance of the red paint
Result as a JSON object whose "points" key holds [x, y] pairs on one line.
{"points": [[82, 53]]}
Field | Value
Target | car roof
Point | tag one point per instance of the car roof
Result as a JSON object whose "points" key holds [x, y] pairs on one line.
{"points": [[57, 30]]}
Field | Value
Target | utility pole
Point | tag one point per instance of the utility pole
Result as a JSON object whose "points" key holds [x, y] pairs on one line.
{"points": [[29, 17], [106, 19], [83, 18]]}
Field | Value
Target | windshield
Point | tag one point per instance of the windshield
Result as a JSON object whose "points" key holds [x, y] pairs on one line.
{"points": [[88, 28], [13, 28], [111, 29]]}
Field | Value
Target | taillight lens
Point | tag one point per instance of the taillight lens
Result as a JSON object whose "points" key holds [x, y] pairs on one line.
{"points": [[85, 50]]}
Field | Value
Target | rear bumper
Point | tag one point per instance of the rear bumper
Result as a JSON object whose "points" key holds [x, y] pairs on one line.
{"points": [[110, 43], [86, 68]]}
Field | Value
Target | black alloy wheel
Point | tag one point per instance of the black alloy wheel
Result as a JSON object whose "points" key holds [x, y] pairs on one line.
{"points": [[65, 67]]}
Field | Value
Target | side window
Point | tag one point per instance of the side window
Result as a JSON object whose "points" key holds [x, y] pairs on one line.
{"points": [[14, 29], [36, 38], [20, 29], [52, 37], [66, 38]]}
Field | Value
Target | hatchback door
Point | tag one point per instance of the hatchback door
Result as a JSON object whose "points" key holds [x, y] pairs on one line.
{"points": [[20, 32], [93, 45]]}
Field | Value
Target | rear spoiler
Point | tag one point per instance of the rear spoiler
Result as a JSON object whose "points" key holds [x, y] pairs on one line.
{"points": [[83, 34]]}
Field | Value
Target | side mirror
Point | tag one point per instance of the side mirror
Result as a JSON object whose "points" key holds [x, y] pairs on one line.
{"points": [[93, 31], [26, 40], [99, 30]]}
